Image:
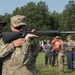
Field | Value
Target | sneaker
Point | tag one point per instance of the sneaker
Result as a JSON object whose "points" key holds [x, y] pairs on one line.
{"points": [[49, 66]]}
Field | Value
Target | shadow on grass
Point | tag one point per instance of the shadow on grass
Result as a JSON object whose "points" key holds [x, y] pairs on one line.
{"points": [[68, 72]]}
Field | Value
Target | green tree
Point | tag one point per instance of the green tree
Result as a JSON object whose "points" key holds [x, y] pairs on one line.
{"points": [[55, 20], [68, 16], [37, 15]]}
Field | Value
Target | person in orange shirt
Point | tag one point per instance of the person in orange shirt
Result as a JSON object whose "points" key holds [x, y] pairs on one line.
{"points": [[56, 41]]}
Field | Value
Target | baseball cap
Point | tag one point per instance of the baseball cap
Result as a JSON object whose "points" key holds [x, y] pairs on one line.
{"points": [[18, 20], [57, 37], [69, 36]]}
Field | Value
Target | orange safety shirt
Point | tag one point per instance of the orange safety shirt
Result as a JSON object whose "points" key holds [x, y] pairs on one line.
{"points": [[56, 45]]}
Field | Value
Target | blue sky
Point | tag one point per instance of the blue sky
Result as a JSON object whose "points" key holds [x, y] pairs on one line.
{"points": [[7, 6]]}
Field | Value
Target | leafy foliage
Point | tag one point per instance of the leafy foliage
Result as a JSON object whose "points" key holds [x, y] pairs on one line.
{"points": [[38, 16]]}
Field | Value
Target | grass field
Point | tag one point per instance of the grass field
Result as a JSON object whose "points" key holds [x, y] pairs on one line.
{"points": [[43, 70]]}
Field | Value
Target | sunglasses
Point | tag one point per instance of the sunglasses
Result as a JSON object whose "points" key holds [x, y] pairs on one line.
{"points": [[20, 27]]}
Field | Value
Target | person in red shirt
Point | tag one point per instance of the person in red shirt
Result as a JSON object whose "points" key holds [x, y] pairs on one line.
{"points": [[56, 41]]}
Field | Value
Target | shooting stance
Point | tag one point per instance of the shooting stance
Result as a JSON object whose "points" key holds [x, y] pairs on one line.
{"points": [[20, 55]]}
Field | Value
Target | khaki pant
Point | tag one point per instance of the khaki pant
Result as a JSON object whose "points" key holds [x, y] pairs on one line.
{"points": [[61, 61]]}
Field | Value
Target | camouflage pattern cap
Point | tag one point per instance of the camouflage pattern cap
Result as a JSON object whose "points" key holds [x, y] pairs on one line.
{"points": [[18, 20], [69, 36]]}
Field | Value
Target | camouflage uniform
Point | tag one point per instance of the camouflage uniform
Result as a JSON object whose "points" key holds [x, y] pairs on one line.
{"points": [[5, 49], [20, 60], [1, 59], [2, 24], [61, 53]]}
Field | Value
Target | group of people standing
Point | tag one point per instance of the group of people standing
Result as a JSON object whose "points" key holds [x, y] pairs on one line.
{"points": [[57, 48]]}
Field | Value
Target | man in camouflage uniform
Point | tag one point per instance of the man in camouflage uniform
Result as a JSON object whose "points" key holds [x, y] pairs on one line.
{"points": [[61, 54], [2, 24], [20, 57]]}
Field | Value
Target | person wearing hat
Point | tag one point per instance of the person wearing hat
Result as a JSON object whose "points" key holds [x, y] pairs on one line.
{"points": [[70, 53], [20, 56], [2, 24]]}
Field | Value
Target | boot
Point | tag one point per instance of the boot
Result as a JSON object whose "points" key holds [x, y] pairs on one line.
{"points": [[61, 72]]}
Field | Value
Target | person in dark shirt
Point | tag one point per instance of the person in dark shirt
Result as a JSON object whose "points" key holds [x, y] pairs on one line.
{"points": [[47, 48]]}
